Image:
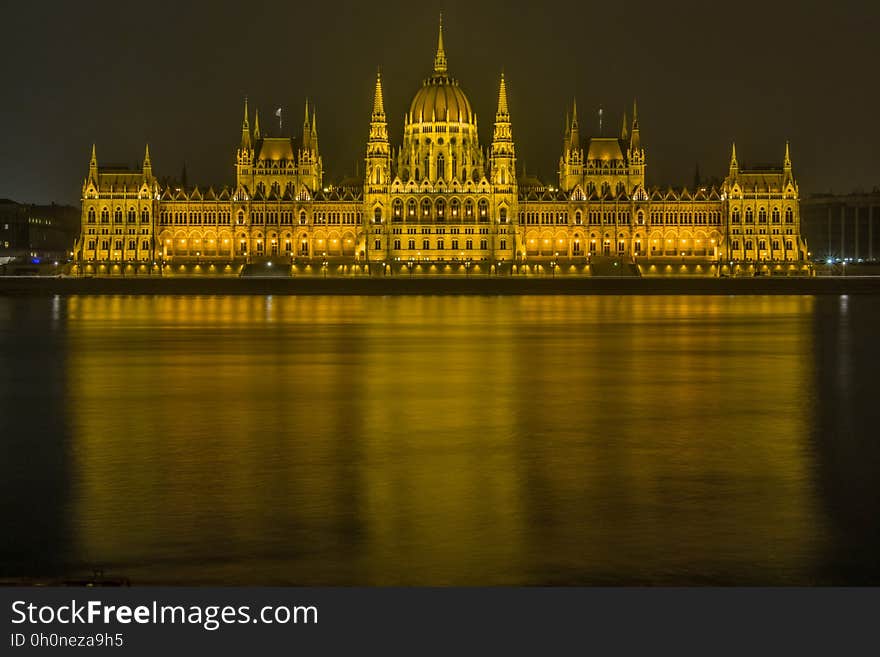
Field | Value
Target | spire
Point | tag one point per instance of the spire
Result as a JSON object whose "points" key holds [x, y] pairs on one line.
{"points": [[502, 99], [378, 99], [440, 57], [635, 138], [257, 124], [624, 130], [148, 165], [245, 128], [733, 163], [787, 162], [306, 119], [575, 134], [93, 165]]}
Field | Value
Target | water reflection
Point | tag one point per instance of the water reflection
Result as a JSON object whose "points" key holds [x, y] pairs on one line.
{"points": [[442, 440]]}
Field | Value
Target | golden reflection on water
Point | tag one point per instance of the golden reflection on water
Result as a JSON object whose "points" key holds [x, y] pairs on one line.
{"points": [[443, 440]]}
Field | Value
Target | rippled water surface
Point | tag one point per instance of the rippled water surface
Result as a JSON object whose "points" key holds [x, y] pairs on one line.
{"points": [[442, 440]]}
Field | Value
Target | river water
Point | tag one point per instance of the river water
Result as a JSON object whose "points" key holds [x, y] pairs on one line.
{"points": [[470, 440]]}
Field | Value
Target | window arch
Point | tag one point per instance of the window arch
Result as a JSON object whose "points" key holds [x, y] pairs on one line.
{"points": [[145, 216], [397, 208], [789, 216], [426, 208], [502, 215], [775, 215], [484, 209], [469, 208], [411, 208], [440, 206], [735, 215], [441, 167], [91, 215], [117, 215], [132, 216], [762, 215], [454, 207], [750, 216]]}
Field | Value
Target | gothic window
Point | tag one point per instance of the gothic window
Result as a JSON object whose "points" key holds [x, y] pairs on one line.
{"points": [[484, 209], [411, 208], [426, 209], [454, 207], [762, 215], [398, 208], [502, 216], [441, 209], [145, 216], [117, 215], [736, 215], [469, 208], [454, 165], [775, 215], [441, 170], [750, 217], [91, 215], [789, 216]]}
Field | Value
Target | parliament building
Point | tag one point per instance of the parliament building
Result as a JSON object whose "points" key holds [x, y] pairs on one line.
{"points": [[437, 203]]}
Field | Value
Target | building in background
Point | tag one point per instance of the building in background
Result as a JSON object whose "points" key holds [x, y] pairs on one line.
{"points": [[842, 226], [439, 202], [36, 234]]}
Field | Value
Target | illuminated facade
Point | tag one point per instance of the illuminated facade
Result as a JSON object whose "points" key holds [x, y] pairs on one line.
{"points": [[438, 203]]}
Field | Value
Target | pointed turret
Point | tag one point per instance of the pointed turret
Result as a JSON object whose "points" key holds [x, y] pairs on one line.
{"points": [[502, 100], [378, 98], [635, 135], [245, 128], [93, 166], [378, 169], [734, 165], [307, 130], [257, 124], [786, 163], [148, 165], [575, 131], [440, 67], [624, 129]]}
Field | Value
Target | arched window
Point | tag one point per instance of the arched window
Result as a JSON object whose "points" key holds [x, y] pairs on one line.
{"points": [[132, 216], [484, 209], [735, 217], [454, 207], [789, 216], [441, 209], [302, 216], [641, 217], [762, 215], [240, 217], [426, 209], [441, 167], [145, 216], [377, 215], [117, 215], [398, 208], [91, 215], [411, 208], [469, 208], [775, 215], [578, 217], [750, 216], [502, 216]]}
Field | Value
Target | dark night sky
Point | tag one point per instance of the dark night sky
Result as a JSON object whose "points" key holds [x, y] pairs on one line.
{"points": [[174, 74]]}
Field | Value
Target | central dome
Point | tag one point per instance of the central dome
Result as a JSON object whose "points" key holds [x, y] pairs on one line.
{"points": [[440, 99]]}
